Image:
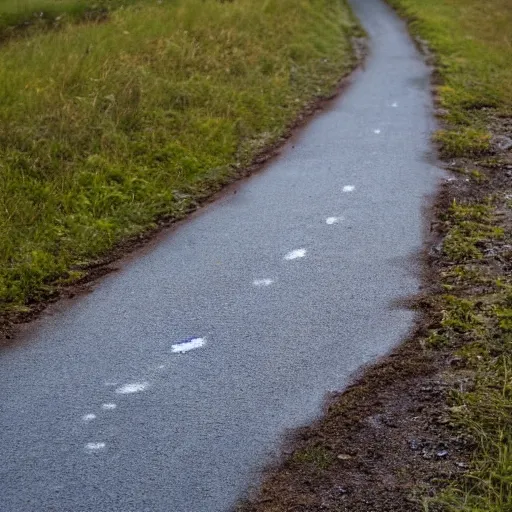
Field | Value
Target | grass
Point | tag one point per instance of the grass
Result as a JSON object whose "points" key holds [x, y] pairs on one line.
{"points": [[472, 46], [106, 128], [317, 456]]}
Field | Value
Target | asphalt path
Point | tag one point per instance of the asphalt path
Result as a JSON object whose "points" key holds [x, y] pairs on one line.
{"points": [[170, 386]]}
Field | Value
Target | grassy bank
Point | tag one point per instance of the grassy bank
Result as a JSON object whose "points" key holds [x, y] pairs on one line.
{"points": [[105, 128], [472, 45]]}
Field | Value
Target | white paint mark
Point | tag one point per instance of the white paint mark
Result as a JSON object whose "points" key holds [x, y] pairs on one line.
{"points": [[187, 345], [134, 387], [262, 282], [333, 220], [348, 188], [89, 417], [377, 131], [395, 104], [108, 407], [297, 253], [94, 447]]}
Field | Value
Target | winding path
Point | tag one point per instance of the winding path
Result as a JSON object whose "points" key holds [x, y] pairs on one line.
{"points": [[171, 385]]}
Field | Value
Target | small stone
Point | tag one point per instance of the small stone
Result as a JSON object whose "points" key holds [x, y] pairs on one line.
{"points": [[502, 142], [414, 444], [456, 361], [437, 249], [442, 454], [344, 456]]}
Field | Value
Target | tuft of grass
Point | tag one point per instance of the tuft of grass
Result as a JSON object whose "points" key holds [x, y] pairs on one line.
{"points": [[106, 128], [315, 455], [470, 227], [463, 142], [477, 323], [459, 315]]}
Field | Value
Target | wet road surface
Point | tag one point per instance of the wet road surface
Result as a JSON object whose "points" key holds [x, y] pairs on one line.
{"points": [[171, 385]]}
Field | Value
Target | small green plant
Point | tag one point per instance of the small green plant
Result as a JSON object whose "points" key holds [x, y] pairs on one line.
{"points": [[460, 315], [316, 455]]}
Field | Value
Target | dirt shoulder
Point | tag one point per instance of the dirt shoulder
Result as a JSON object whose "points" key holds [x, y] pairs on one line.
{"points": [[381, 445], [430, 426]]}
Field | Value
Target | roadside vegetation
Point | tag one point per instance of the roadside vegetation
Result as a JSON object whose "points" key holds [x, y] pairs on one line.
{"points": [[107, 128], [430, 427], [472, 46]]}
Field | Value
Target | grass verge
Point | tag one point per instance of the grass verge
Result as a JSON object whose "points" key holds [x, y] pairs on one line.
{"points": [[106, 128], [430, 427], [472, 46]]}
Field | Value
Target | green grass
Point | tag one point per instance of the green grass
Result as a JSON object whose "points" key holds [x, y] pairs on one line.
{"points": [[472, 45], [105, 128], [317, 456], [463, 142]]}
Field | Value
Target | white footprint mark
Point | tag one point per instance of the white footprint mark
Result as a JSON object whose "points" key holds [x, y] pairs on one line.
{"points": [[262, 282], [395, 104], [89, 417], [94, 447], [348, 188], [297, 253], [333, 220], [377, 131], [134, 387], [187, 345], [108, 407]]}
